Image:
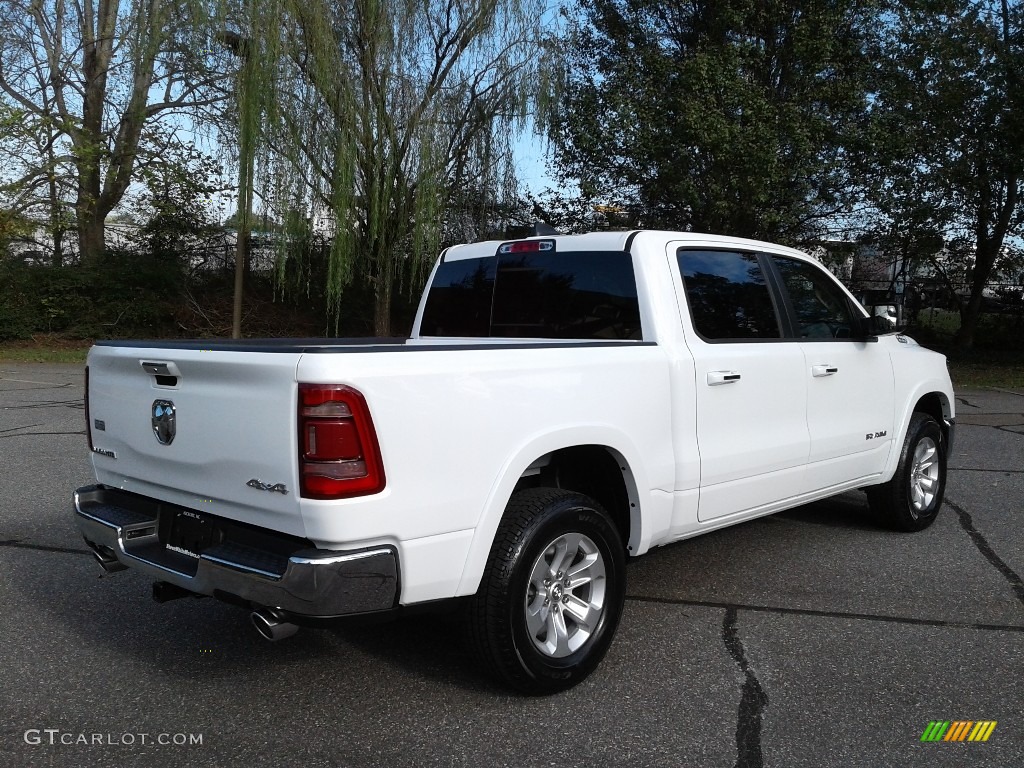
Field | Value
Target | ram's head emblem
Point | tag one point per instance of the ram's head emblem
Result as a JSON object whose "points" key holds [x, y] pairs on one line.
{"points": [[164, 421]]}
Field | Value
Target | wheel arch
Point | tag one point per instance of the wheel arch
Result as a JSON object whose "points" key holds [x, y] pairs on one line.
{"points": [[932, 398], [936, 405], [566, 460]]}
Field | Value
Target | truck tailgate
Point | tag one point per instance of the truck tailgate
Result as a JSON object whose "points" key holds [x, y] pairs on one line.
{"points": [[232, 448]]}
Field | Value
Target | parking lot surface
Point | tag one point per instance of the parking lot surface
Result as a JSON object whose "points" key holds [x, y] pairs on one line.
{"points": [[809, 638]]}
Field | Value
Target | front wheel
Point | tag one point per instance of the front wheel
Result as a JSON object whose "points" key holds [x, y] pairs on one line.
{"points": [[911, 500], [552, 592]]}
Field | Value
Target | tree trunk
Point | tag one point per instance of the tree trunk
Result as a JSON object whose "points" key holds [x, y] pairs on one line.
{"points": [[56, 225], [382, 295], [241, 251], [91, 242], [970, 314], [58, 246]]}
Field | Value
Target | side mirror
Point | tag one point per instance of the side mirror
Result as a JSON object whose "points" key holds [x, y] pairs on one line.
{"points": [[871, 327]]}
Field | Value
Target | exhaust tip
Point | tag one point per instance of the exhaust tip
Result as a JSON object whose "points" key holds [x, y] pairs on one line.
{"points": [[270, 624], [106, 558]]}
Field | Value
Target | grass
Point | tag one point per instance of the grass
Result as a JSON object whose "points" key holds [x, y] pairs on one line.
{"points": [[998, 358], [45, 349], [973, 373], [41, 355]]}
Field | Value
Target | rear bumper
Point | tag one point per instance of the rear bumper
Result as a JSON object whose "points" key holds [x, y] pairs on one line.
{"points": [[255, 565]]}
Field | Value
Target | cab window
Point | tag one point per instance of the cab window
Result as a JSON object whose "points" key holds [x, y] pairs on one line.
{"points": [[820, 308], [727, 295]]}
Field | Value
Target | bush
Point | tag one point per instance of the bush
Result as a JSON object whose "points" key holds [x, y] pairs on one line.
{"points": [[123, 294], [999, 332]]}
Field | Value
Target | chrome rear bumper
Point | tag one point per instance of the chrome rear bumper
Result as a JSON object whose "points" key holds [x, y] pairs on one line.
{"points": [[291, 575]]}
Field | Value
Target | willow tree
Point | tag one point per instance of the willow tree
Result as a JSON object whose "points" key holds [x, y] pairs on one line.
{"points": [[378, 113]]}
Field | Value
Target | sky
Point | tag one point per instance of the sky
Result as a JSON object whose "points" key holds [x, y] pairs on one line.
{"points": [[531, 163]]}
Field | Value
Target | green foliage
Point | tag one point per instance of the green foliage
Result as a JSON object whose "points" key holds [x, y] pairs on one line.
{"points": [[374, 115], [87, 81], [121, 295], [728, 116], [997, 331], [943, 153], [175, 205], [13, 227]]}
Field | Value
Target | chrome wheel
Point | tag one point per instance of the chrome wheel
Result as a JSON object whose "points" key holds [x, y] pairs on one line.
{"points": [[565, 598], [911, 499], [552, 592], [924, 476]]}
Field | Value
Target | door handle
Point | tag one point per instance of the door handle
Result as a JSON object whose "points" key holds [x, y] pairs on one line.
{"points": [[717, 378], [823, 370]]}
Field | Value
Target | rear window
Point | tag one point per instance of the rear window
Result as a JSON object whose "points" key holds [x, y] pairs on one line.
{"points": [[550, 295]]}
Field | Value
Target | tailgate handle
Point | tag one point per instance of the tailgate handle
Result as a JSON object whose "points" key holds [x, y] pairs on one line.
{"points": [[165, 373]]}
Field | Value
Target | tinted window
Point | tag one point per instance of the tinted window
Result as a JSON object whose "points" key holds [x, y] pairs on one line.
{"points": [[821, 309], [727, 294], [551, 295], [459, 303]]}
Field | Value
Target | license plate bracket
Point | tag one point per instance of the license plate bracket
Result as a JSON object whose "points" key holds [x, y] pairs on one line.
{"points": [[191, 533]]}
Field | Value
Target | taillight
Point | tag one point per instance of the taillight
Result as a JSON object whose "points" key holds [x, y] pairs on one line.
{"points": [[338, 451], [88, 421], [527, 246]]}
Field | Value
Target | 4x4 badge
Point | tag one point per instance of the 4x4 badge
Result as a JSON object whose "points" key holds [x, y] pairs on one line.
{"points": [[164, 421]]}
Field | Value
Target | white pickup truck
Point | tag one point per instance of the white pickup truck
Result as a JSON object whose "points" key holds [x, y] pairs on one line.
{"points": [[564, 402]]}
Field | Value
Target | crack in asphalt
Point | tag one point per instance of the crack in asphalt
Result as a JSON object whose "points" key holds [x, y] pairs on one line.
{"points": [[1010, 429], [15, 429], [1011, 576], [828, 614], [19, 544], [753, 699], [76, 404], [36, 434], [979, 469], [5, 390], [964, 401], [42, 384]]}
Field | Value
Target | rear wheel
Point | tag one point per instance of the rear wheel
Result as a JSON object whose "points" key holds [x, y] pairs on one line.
{"points": [[552, 592], [911, 500]]}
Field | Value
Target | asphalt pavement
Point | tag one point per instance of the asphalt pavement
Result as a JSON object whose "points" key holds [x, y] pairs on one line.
{"points": [[809, 638]]}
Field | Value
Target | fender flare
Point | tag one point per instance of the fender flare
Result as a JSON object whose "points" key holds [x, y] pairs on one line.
{"points": [[923, 389], [613, 440]]}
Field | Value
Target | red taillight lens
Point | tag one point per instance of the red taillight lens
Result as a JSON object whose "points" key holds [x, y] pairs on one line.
{"points": [[338, 451], [527, 246], [88, 421], [331, 440]]}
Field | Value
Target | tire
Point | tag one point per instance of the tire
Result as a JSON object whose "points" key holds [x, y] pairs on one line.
{"points": [[532, 625], [911, 500]]}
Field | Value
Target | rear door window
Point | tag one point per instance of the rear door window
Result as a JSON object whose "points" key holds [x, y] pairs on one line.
{"points": [[728, 295]]}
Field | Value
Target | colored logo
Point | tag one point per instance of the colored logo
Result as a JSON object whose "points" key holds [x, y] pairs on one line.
{"points": [[958, 730]]}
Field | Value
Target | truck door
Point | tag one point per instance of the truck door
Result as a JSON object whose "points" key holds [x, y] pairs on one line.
{"points": [[751, 387], [850, 387]]}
